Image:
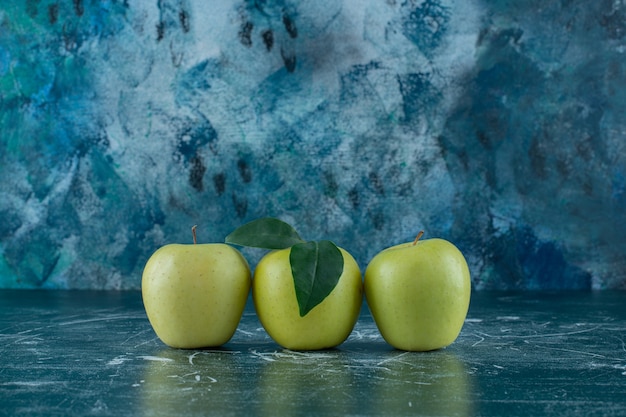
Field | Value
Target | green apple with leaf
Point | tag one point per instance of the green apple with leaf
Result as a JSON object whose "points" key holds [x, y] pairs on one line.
{"points": [[307, 294], [194, 295], [419, 293]]}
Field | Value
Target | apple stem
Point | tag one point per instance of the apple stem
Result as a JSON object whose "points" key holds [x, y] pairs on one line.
{"points": [[193, 233], [418, 237]]}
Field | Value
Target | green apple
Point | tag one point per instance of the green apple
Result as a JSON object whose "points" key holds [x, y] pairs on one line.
{"points": [[419, 293], [307, 294], [327, 325], [194, 295]]}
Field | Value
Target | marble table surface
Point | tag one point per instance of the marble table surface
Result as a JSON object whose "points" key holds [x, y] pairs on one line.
{"points": [[65, 353]]}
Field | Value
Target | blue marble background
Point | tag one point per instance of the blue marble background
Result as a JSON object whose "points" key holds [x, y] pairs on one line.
{"points": [[498, 125]]}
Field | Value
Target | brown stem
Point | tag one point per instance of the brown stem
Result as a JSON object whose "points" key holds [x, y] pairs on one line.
{"points": [[193, 232], [418, 237]]}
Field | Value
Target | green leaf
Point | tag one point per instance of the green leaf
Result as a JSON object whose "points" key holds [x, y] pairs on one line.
{"points": [[266, 233], [316, 266], [316, 269]]}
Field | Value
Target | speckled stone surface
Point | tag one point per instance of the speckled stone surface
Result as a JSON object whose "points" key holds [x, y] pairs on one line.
{"points": [[77, 353], [497, 125]]}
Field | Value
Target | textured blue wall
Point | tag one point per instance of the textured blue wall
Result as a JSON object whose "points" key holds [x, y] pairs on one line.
{"points": [[498, 125]]}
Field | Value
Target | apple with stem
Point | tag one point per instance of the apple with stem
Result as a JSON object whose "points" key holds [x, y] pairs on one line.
{"points": [[307, 294], [194, 295], [419, 293]]}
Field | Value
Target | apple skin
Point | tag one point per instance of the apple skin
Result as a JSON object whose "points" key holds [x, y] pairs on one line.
{"points": [[327, 325], [419, 294], [194, 295]]}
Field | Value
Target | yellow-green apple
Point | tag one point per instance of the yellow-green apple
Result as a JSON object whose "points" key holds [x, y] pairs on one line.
{"points": [[194, 295], [326, 325], [307, 294], [419, 293]]}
